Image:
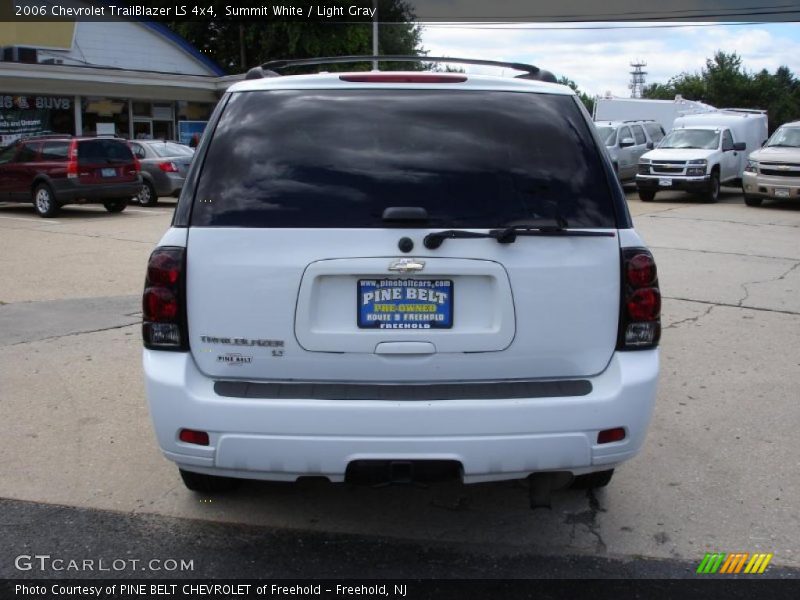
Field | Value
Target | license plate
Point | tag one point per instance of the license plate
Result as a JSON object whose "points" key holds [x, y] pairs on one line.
{"points": [[108, 172], [781, 192], [405, 304], [665, 182]]}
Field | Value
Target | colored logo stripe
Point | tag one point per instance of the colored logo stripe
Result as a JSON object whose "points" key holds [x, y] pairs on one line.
{"points": [[758, 564], [721, 562], [734, 563], [711, 562]]}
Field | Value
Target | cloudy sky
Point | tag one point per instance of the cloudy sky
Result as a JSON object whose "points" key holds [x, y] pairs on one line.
{"points": [[598, 59]]}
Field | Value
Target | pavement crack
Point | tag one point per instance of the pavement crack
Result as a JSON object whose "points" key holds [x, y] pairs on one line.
{"points": [[588, 518], [73, 333], [659, 216], [746, 289], [757, 308], [692, 319], [86, 235], [721, 252], [593, 526]]}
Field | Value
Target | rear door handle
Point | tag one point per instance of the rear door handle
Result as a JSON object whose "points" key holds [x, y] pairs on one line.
{"points": [[405, 348]]}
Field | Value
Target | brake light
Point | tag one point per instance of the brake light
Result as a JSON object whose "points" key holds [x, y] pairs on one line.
{"points": [[163, 305], [137, 166], [404, 78], [640, 307], [168, 167], [72, 158]]}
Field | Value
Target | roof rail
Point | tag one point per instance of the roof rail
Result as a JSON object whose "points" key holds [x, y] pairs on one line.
{"points": [[755, 111], [638, 120], [268, 69]]}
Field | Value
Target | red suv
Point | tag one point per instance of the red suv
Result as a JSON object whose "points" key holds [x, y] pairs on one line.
{"points": [[52, 171]]}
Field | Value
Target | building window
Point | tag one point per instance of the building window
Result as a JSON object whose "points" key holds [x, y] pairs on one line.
{"points": [[105, 116]]}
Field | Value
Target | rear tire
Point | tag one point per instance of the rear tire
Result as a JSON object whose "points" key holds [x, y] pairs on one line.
{"points": [[646, 195], [208, 484], [115, 206], [44, 201], [592, 480], [147, 196], [712, 195], [753, 201]]}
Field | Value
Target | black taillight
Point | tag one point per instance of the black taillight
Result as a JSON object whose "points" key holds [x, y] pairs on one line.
{"points": [[640, 306], [163, 301]]}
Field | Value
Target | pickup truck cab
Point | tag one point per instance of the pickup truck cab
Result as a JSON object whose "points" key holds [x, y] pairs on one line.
{"points": [[701, 153]]}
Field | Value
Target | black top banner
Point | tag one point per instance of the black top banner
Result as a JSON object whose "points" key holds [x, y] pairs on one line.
{"points": [[501, 11]]}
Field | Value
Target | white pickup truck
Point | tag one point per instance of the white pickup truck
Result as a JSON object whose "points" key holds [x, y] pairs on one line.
{"points": [[701, 153]]}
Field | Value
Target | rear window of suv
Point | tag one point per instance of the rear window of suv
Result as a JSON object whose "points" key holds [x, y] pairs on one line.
{"points": [[338, 158], [103, 151]]}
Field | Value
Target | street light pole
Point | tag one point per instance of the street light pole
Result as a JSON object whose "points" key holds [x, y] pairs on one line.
{"points": [[375, 34]]}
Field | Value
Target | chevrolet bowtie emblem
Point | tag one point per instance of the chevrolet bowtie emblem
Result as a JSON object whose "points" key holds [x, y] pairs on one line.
{"points": [[407, 265]]}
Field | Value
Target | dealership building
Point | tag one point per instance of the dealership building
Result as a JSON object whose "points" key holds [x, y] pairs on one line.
{"points": [[130, 78]]}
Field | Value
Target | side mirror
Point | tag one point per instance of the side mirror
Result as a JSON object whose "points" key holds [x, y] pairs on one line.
{"points": [[626, 142], [650, 145], [740, 146]]}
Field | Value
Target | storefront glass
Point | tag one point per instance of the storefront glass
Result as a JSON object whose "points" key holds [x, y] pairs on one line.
{"points": [[24, 115]]}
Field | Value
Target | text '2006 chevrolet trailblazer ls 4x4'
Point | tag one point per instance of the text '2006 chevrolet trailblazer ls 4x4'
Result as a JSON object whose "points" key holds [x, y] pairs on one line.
{"points": [[399, 270]]}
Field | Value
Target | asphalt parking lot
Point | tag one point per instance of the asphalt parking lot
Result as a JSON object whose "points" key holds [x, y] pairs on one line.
{"points": [[719, 472]]}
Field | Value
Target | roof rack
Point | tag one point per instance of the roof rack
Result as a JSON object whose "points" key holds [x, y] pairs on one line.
{"points": [[268, 69], [639, 121]]}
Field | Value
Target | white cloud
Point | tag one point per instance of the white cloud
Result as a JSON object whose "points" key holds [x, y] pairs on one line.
{"points": [[598, 59]]}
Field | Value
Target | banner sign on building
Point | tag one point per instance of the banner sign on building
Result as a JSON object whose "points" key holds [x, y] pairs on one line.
{"points": [[30, 115]]}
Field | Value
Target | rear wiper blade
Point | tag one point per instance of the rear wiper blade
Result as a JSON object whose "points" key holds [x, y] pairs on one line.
{"points": [[508, 235]]}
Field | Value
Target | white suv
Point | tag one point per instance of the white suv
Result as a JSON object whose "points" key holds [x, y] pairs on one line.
{"points": [[394, 270]]}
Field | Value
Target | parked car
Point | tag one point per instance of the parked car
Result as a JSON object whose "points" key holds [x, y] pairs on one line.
{"points": [[626, 142], [774, 170], [164, 166], [390, 271], [701, 153], [51, 171]]}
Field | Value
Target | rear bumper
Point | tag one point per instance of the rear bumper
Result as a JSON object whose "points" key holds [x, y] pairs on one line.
{"points": [[67, 191], [282, 439], [168, 184], [765, 186], [652, 183]]}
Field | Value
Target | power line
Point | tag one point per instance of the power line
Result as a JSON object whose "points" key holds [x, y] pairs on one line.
{"points": [[663, 15], [586, 27]]}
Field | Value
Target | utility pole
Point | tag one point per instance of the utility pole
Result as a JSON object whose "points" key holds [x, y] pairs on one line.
{"points": [[637, 78], [375, 34]]}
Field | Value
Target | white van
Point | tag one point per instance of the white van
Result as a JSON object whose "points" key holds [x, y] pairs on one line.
{"points": [[393, 270], [701, 153]]}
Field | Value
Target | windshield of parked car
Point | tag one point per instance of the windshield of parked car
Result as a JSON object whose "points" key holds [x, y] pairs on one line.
{"points": [[785, 136], [338, 158], [706, 139], [608, 135], [165, 149]]}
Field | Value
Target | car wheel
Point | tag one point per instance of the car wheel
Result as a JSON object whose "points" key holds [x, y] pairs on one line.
{"points": [[147, 195], [753, 201], [592, 480], [646, 196], [209, 484], [44, 201], [115, 206], [712, 195]]}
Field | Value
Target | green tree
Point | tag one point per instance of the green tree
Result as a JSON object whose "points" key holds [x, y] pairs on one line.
{"points": [[725, 83], [237, 45], [587, 100]]}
